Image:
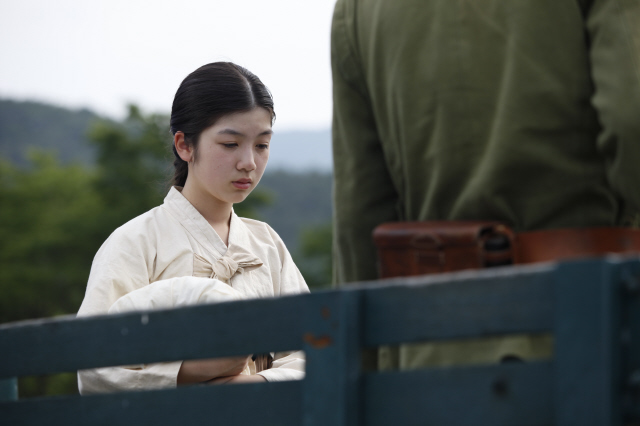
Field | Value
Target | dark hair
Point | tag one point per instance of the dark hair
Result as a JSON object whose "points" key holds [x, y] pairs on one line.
{"points": [[207, 94]]}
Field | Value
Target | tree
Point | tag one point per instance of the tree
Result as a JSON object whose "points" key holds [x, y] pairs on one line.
{"points": [[314, 256], [48, 237]]}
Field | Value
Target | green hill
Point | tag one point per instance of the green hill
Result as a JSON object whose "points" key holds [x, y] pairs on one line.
{"points": [[25, 124]]}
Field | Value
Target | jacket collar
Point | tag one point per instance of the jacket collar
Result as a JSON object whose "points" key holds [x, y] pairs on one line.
{"points": [[201, 230]]}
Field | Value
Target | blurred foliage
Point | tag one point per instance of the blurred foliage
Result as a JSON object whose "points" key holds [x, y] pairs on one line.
{"points": [[48, 235], [54, 217], [133, 160], [55, 384], [313, 257], [253, 204], [303, 200]]}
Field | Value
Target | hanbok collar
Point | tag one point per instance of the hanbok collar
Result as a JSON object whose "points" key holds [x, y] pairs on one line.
{"points": [[202, 231]]}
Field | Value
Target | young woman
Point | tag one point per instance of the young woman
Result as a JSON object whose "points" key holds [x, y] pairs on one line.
{"points": [[193, 248]]}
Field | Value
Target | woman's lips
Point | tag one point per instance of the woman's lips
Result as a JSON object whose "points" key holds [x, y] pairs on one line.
{"points": [[242, 183]]}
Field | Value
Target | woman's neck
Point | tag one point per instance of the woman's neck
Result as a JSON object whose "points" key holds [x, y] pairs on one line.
{"points": [[216, 212]]}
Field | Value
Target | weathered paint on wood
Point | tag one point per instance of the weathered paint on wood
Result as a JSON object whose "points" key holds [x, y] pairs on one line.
{"points": [[8, 389], [507, 394], [488, 304], [331, 385], [496, 304], [587, 345], [584, 304], [164, 335], [630, 278], [251, 404]]}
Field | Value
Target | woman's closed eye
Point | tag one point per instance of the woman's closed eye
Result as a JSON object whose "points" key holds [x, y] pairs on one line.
{"points": [[230, 144], [262, 146]]}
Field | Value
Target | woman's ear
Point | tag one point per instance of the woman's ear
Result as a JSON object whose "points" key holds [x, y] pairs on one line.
{"points": [[184, 150]]}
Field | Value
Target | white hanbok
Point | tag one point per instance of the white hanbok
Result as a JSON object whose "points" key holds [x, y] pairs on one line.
{"points": [[171, 256]]}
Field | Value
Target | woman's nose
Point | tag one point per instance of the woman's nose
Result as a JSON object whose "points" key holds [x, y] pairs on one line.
{"points": [[246, 161]]}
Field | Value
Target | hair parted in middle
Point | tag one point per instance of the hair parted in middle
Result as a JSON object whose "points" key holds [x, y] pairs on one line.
{"points": [[207, 94]]}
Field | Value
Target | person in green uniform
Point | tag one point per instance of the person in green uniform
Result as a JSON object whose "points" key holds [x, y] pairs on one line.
{"points": [[526, 111]]}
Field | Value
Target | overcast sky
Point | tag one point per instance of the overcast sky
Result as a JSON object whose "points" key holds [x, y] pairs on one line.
{"points": [[102, 54]]}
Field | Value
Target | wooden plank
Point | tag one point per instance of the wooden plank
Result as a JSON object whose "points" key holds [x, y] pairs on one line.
{"points": [[633, 337], [331, 385], [260, 404], [9, 389], [418, 311], [68, 344], [492, 302], [587, 349], [631, 343], [507, 394]]}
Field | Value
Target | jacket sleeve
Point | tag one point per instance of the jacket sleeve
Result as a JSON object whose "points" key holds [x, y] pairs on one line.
{"points": [[122, 265], [614, 36], [287, 365], [364, 195]]}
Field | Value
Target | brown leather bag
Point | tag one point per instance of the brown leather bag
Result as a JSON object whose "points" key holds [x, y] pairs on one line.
{"points": [[417, 248]]}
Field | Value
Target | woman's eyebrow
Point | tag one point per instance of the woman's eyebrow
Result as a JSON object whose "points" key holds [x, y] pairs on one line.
{"points": [[230, 132], [237, 133]]}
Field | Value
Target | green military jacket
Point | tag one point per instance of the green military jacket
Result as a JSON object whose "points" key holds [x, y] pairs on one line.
{"points": [[522, 111]]}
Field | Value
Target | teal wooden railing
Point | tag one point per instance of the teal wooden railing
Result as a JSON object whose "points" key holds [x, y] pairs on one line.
{"points": [[592, 308]]}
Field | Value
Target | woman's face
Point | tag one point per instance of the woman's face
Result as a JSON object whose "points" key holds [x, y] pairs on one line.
{"points": [[231, 157]]}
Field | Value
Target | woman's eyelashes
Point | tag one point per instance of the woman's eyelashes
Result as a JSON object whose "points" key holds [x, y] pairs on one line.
{"points": [[260, 146]]}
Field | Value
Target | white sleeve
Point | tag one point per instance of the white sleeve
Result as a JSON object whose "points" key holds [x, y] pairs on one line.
{"points": [[291, 280], [287, 365], [174, 292]]}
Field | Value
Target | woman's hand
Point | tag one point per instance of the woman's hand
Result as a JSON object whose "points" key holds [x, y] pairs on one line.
{"points": [[204, 370], [242, 378]]}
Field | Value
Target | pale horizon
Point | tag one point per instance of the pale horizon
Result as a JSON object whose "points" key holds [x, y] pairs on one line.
{"points": [[103, 55]]}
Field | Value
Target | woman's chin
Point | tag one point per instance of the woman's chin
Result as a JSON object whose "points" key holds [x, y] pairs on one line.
{"points": [[240, 197]]}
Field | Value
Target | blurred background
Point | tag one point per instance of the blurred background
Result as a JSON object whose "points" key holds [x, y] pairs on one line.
{"points": [[85, 93]]}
